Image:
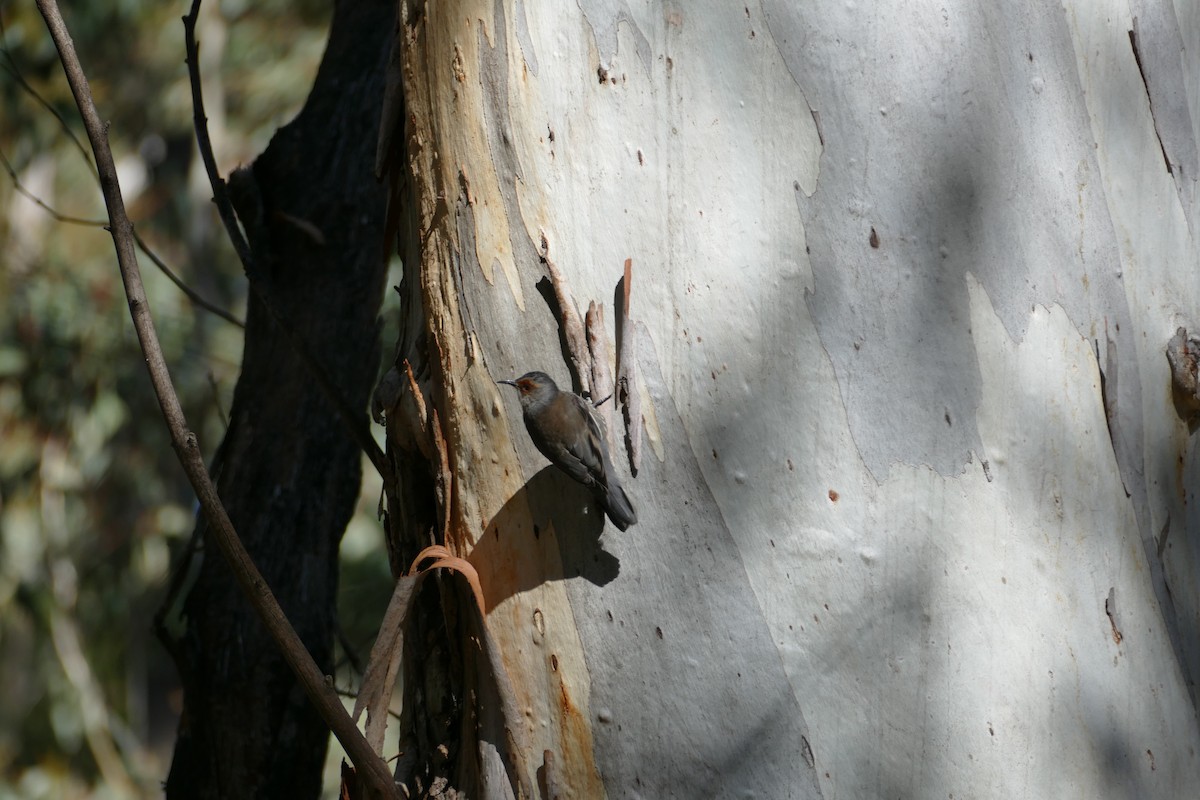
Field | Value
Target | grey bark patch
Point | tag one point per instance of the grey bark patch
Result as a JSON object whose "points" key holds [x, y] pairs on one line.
{"points": [[957, 171], [604, 16], [714, 714]]}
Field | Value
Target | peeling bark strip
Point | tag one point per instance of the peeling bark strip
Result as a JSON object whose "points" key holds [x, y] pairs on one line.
{"points": [[570, 323], [387, 656], [1109, 375], [627, 388], [602, 380]]}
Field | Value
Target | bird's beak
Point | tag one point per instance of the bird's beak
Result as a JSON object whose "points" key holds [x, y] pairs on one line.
{"points": [[509, 383]]}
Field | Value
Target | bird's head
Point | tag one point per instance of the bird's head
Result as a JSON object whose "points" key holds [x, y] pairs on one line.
{"points": [[534, 388]]}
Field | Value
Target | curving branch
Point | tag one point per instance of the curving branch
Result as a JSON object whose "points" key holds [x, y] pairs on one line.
{"points": [[369, 765]]}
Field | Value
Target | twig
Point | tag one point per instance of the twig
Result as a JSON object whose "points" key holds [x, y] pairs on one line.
{"points": [[204, 143], [42, 204], [188, 292], [369, 765], [349, 695], [357, 423], [15, 71]]}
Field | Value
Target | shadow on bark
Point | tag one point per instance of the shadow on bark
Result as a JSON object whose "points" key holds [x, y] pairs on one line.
{"points": [[548, 531]]}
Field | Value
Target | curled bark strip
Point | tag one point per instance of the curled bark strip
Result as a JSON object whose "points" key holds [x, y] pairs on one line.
{"points": [[388, 653], [514, 738], [410, 428], [445, 559]]}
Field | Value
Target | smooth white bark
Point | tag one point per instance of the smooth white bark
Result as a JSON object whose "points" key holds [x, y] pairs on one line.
{"points": [[883, 253]]}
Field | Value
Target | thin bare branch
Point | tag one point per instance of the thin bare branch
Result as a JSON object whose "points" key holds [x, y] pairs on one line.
{"points": [[188, 292], [42, 204], [14, 70], [369, 765], [204, 143]]}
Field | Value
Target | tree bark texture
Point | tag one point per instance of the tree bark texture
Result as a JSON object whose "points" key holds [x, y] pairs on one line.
{"points": [[635, 661], [287, 470], [915, 502]]}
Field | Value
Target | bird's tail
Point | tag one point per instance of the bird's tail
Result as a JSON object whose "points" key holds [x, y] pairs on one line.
{"points": [[617, 506]]}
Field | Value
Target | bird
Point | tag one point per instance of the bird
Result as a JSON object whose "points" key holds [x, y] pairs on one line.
{"points": [[566, 431]]}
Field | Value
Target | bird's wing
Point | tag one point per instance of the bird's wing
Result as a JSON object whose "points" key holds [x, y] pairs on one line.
{"points": [[569, 454], [589, 447], [580, 455], [595, 454]]}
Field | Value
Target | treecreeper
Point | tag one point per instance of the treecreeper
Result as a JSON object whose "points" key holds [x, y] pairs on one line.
{"points": [[567, 431]]}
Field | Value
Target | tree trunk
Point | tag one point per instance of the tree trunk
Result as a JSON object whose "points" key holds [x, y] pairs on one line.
{"points": [[288, 471], [636, 661], [902, 524]]}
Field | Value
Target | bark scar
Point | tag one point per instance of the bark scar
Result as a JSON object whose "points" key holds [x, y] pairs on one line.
{"points": [[1110, 609], [1137, 57], [1182, 352]]}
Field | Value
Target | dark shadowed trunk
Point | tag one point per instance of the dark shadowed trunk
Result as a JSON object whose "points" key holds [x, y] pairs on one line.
{"points": [[288, 471]]}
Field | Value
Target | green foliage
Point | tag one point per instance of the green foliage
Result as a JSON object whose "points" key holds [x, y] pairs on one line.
{"points": [[92, 500]]}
